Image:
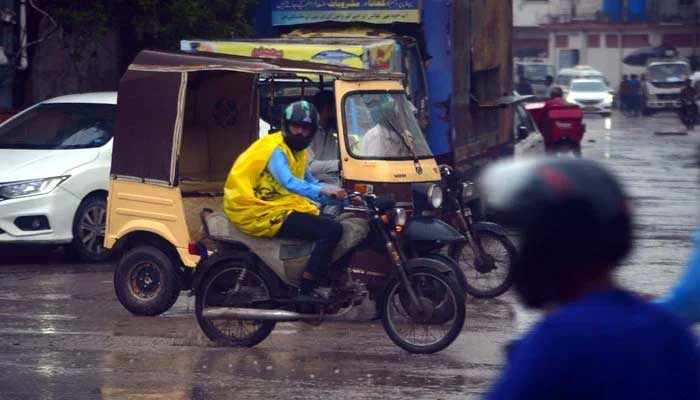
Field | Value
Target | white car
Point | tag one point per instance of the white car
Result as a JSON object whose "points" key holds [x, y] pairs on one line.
{"points": [[592, 95], [54, 173]]}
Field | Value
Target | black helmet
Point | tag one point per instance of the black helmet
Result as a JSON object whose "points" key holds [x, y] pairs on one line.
{"points": [[573, 219], [302, 113]]}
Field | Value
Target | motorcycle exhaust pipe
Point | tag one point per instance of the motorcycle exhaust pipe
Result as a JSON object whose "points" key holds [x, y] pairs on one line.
{"points": [[232, 313]]}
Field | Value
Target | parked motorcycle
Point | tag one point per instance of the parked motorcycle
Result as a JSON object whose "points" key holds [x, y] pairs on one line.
{"points": [[689, 112], [246, 287], [486, 258]]}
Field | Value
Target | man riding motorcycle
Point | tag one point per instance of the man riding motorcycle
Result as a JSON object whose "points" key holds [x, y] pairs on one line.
{"points": [[269, 193], [689, 106]]}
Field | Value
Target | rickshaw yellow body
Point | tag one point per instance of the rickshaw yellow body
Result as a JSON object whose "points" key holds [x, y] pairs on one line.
{"points": [[377, 171], [145, 207]]}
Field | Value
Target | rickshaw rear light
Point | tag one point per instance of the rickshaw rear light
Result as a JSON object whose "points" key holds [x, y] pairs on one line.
{"points": [[197, 249], [385, 219]]}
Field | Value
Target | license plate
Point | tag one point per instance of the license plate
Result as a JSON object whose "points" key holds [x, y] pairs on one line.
{"points": [[590, 108]]}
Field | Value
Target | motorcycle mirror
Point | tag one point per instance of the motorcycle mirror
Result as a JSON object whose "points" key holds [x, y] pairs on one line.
{"points": [[523, 132]]}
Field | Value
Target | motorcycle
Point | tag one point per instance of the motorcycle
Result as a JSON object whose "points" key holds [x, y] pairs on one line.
{"points": [[689, 112], [486, 258], [249, 283]]}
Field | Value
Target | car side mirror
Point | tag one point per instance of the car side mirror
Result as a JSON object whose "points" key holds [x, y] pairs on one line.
{"points": [[523, 132]]}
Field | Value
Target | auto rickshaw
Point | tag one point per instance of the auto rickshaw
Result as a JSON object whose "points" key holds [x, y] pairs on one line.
{"points": [[182, 119]]}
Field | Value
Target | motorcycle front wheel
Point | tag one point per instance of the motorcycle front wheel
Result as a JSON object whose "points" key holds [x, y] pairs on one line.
{"points": [[233, 285], [495, 276], [417, 327]]}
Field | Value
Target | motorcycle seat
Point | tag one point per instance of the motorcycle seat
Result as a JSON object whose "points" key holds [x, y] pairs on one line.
{"points": [[287, 257]]}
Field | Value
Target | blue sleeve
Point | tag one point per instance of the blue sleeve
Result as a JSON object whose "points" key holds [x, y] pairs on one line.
{"points": [[278, 166], [684, 299], [310, 178]]}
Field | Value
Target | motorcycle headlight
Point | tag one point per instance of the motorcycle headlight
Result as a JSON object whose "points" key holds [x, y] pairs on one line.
{"points": [[426, 196], [435, 196], [467, 191], [399, 216], [13, 190]]}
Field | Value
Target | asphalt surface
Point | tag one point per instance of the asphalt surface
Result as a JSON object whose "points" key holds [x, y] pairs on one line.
{"points": [[63, 335]]}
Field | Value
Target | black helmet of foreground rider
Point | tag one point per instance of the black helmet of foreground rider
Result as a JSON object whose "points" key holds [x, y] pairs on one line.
{"points": [[269, 192], [597, 338]]}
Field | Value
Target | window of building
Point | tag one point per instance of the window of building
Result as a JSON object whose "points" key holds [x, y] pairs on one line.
{"points": [[634, 41], [593, 41], [678, 39], [611, 41], [561, 41]]}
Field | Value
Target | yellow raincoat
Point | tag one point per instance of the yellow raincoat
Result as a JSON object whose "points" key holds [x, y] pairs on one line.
{"points": [[253, 200]]}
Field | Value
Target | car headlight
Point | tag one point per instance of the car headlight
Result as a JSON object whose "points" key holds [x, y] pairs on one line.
{"points": [[399, 216], [13, 190], [435, 196], [608, 99]]}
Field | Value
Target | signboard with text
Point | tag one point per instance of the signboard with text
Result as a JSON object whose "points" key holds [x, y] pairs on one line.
{"points": [[293, 12]]}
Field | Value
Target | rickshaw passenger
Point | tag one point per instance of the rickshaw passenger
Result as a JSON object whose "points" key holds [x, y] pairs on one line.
{"points": [[382, 140], [269, 192], [324, 151]]}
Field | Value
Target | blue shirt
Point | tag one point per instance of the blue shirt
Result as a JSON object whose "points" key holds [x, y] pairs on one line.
{"points": [[309, 187], [684, 299], [609, 345]]}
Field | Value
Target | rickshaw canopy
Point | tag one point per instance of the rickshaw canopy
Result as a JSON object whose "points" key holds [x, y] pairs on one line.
{"points": [[151, 109]]}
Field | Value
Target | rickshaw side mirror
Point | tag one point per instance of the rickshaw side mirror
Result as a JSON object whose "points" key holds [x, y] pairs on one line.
{"points": [[523, 132]]}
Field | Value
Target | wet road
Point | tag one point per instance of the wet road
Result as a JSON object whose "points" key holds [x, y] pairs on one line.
{"points": [[63, 334]]}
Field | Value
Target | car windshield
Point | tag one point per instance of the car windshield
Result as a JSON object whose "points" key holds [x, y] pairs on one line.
{"points": [[563, 80], [597, 86], [537, 72], [383, 126], [59, 126], [667, 72]]}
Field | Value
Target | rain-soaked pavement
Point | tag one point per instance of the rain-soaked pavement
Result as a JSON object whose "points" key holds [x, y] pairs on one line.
{"points": [[64, 336]]}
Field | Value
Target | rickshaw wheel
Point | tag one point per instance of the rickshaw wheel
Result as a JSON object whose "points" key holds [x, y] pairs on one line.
{"points": [[146, 281]]}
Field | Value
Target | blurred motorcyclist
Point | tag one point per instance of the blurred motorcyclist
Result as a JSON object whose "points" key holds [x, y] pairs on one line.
{"points": [[598, 341], [689, 105]]}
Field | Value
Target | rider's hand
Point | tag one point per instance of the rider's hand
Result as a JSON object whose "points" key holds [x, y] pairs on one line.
{"points": [[335, 193]]}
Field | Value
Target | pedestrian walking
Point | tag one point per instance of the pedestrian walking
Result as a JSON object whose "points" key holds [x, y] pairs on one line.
{"points": [[635, 95], [623, 93]]}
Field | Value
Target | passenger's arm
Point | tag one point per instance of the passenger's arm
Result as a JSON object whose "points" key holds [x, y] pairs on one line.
{"points": [[278, 166]]}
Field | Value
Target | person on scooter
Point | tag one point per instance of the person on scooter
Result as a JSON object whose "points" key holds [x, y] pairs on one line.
{"points": [[597, 340], [269, 192]]}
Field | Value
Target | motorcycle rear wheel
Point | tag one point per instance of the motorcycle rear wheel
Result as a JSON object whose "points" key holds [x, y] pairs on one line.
{"points": [[233, 285], [434, 290], [486, 284]]}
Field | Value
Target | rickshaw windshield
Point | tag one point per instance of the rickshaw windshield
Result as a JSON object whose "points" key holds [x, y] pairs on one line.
{"points": [[381, 125]]}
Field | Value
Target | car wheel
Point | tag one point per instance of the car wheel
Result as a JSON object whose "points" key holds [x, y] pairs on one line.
{"points": [[89, 230]]}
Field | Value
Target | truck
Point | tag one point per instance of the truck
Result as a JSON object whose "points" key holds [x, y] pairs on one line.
{"points": [[665, 79], [535, 72], [456, 55]]}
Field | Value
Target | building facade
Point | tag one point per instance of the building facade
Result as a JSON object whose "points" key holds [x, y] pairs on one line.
{"points": [[600, 33]]}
